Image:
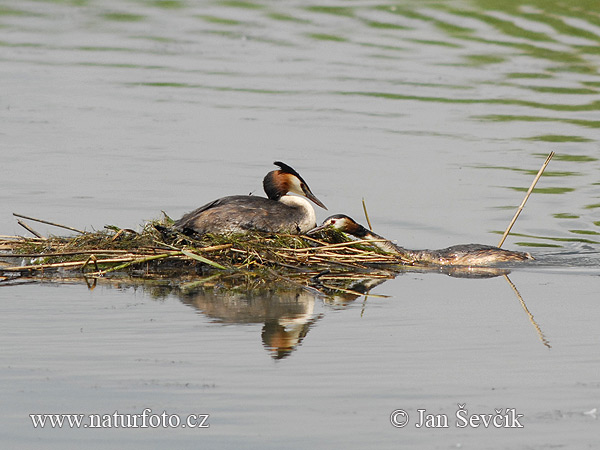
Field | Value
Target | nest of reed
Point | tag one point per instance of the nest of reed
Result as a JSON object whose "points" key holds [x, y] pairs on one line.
{"points": [[326, 263]]}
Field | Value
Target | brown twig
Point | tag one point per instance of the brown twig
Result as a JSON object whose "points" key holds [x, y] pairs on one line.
{"points": [[364, 205], [529, 191], [31, 230], [48, 223]]}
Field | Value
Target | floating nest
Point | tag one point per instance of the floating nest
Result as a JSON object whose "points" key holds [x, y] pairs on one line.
{"points": [[326, 263]]}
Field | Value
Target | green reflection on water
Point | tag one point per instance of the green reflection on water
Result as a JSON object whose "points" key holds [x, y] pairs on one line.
{"points": [[561, 90], [170, 84], [550, 238], [326, 37], [219, 20], [567, 157], [482, 60], [384, 25], [519, 118], [168, 4], [448, 28], [558, 138], [286, 17], [547, 173], [565, 216], [241, 4], [548, 190], [123, 17], [6, 11], [336, 10], [438, 43], [507, 27], [584, 232], [592, 106], [528, 75], [537, 244]]}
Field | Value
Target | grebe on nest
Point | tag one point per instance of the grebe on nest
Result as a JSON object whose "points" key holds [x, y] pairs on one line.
{"points": [[457, 255], [279, 213]]}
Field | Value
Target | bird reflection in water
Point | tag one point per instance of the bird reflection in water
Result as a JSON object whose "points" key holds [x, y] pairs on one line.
{"points": [[286, 312]]}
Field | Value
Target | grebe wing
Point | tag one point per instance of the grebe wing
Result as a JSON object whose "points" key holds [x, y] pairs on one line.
{"points": [[181, 223], [239, 213]]}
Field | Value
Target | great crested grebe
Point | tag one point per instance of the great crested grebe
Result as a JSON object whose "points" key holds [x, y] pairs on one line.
{"points": [[279, 212], [457, 255]]}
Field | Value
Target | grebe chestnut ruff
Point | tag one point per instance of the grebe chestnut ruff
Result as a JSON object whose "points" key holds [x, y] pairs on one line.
{"points": [[279, 213], [457, 255]]}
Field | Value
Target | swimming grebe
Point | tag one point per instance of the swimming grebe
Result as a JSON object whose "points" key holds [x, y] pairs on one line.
{"points": [[457, 255], [279, 212]]}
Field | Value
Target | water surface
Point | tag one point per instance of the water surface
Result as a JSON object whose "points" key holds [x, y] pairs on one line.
{"points": [[439, 114]]}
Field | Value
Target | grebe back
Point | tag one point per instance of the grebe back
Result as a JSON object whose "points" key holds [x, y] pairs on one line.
{"points": [[278, 212]]}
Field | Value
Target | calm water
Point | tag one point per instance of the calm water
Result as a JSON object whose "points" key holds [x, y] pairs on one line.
{"points": [[439, 114]]}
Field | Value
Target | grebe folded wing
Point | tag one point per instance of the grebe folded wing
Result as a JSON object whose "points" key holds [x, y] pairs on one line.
{"points": [[241, 213]]}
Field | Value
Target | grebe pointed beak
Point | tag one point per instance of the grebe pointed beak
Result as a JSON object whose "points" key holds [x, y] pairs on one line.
{"points": [[309, 195], [317, 229]]}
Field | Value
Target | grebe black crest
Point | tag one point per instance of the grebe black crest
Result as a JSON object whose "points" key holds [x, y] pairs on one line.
{"points": [[278, 212], [456, 255]]}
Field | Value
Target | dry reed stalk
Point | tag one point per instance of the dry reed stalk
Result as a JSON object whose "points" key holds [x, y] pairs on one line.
{"points": [[364, 205], [31, 230], [529, 191], [63, 264], [131, 263], [341, 244], [69, 253], [49, 223]]}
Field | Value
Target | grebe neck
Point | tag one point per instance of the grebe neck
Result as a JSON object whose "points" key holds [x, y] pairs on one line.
{"points": [[385, 245], [306, 217]]}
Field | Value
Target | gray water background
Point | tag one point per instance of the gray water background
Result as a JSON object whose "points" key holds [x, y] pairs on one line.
{"points": [[438, 114]]}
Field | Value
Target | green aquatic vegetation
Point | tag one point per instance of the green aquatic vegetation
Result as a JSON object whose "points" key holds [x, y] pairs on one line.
{"points": [[565, 216]]}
